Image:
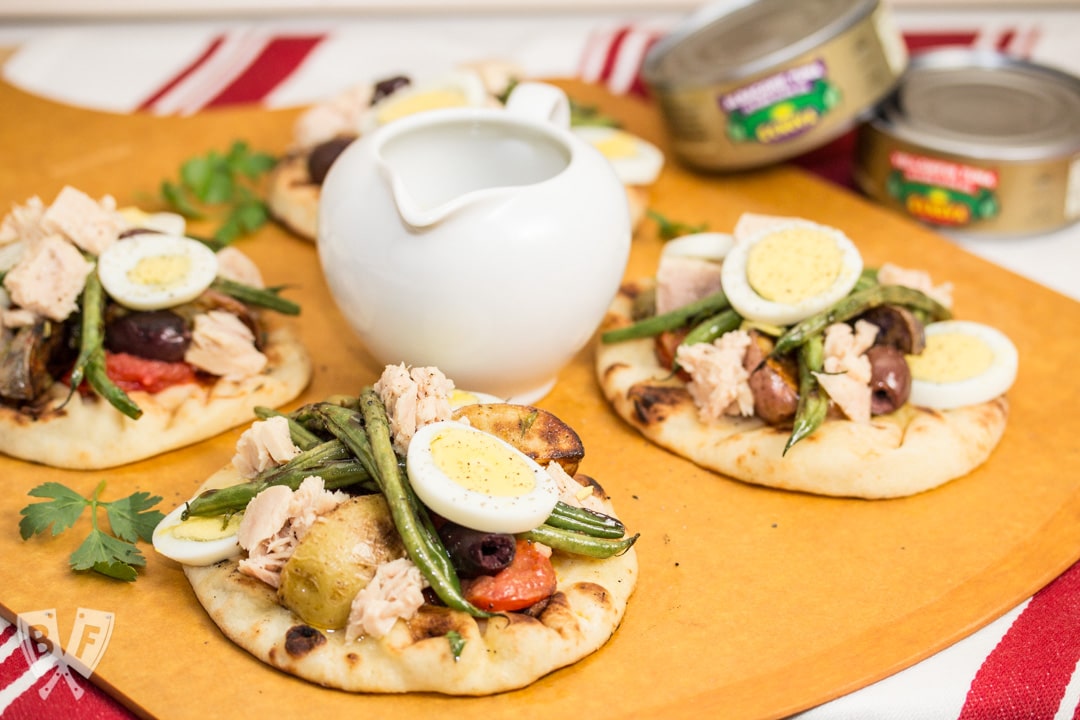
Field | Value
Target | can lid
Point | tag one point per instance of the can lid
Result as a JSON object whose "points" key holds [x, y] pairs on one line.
{"points": [[733, 39], [976, 102]]}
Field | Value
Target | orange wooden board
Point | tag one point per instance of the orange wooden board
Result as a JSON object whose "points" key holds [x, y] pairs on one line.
{"points": [[752, 603]]}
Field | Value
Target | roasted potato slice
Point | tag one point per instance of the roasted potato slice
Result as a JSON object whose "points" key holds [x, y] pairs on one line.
{"points": [[535, 432]]}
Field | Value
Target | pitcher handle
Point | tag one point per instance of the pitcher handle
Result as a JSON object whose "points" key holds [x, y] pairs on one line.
{"points": [[540, 101]]}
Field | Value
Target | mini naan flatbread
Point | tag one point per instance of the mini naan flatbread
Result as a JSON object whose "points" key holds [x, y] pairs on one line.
{"points": [[499, 654], [87, 433], [903, 453]]}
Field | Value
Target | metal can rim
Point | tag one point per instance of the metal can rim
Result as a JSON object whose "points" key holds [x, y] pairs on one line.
{"points": [[709, 15], [890, 118]]}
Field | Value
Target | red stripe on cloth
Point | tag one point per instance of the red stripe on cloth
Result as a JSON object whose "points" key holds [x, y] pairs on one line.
{"points": [[1005, 40], [1025, 676], [179, 77], [639, 87], [277, 61], [60, 701], [917, 41], [613, 53]]}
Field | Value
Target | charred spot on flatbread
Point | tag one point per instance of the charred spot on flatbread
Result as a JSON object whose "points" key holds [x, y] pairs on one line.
{"points": [[587, 481], [653, 404], [432, 622], [302, 639]]}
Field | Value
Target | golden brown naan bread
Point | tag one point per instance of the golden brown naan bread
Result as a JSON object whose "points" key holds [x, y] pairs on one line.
{"points": [[292, 196], [906, 452], [89, 434], [499, 654]]}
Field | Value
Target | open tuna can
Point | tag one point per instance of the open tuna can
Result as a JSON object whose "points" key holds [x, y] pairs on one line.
{"points": [[748, 83], [978, 143]]}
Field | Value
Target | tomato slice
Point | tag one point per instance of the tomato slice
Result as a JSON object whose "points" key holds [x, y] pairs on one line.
{"points": [[131, 372], [526, 581]]}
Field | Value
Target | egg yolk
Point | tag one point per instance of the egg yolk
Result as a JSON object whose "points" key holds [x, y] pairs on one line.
{"points": [[409, 104], [616, 145], [205, 529], [462, 397], [160, 270], [793, 264], [481, 463], [951, 357]]}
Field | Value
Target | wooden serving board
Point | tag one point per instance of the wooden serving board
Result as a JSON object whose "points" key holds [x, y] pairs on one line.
{"points": [[752, 603]]}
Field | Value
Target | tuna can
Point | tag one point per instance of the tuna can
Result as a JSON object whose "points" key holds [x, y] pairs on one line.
{"points": [[748, 83], [977, 143]]}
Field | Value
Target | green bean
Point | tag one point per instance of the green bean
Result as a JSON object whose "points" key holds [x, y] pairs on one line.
{"points": [[304, 438], [713, 327], [855, 304], [374, 446], [867, 279], [262, 297], [672, 320], [813, 406], [576, 543], [90, 362], [234, 498], [585, 521]]}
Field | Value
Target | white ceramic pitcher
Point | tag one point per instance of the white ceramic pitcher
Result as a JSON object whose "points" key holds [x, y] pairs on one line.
{"points": [[485, 241]]}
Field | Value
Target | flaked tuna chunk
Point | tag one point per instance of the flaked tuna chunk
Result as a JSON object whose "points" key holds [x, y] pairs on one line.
{"points": [[413, 398], [719, 381], [49, 278], [23, 222], [681, 280], [276, 520], [396, 591], [234, 265], [266, 444], [889, 274], [91, 225], [221, 344], [847, 369]]}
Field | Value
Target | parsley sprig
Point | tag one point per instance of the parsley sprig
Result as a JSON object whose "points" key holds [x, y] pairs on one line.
{"points": [[115, 555], [222, 187]]}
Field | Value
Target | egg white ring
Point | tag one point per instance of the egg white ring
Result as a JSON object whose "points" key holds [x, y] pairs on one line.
{"points": [[191, 552], [752, 306], [472, 509], [993, 382], [711, 246], [460, 398], [642, 168], [118, 259], [468, 82]]}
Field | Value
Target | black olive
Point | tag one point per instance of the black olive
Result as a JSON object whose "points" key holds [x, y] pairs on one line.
{"points": [[323, 155], [890, 379], [155, 334], [389, 86]]}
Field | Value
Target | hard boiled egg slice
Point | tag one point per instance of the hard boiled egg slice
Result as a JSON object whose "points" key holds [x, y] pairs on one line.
{"points": [[478, 480], [150, 271], [636, 161], [711, 246], [789, 271], [461, 398], [461, 88], [964, 363], [197, 540], [163, 222]]}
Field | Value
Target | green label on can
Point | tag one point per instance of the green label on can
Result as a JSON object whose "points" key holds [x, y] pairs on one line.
{"points": [[942, 192], [781, 106]]}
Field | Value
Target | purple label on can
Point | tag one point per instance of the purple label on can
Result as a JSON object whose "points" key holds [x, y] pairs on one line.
{"points": [[775, 88]]}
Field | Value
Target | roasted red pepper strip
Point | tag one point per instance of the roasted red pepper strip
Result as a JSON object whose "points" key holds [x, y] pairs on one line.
{"points": [[529, 579]]}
